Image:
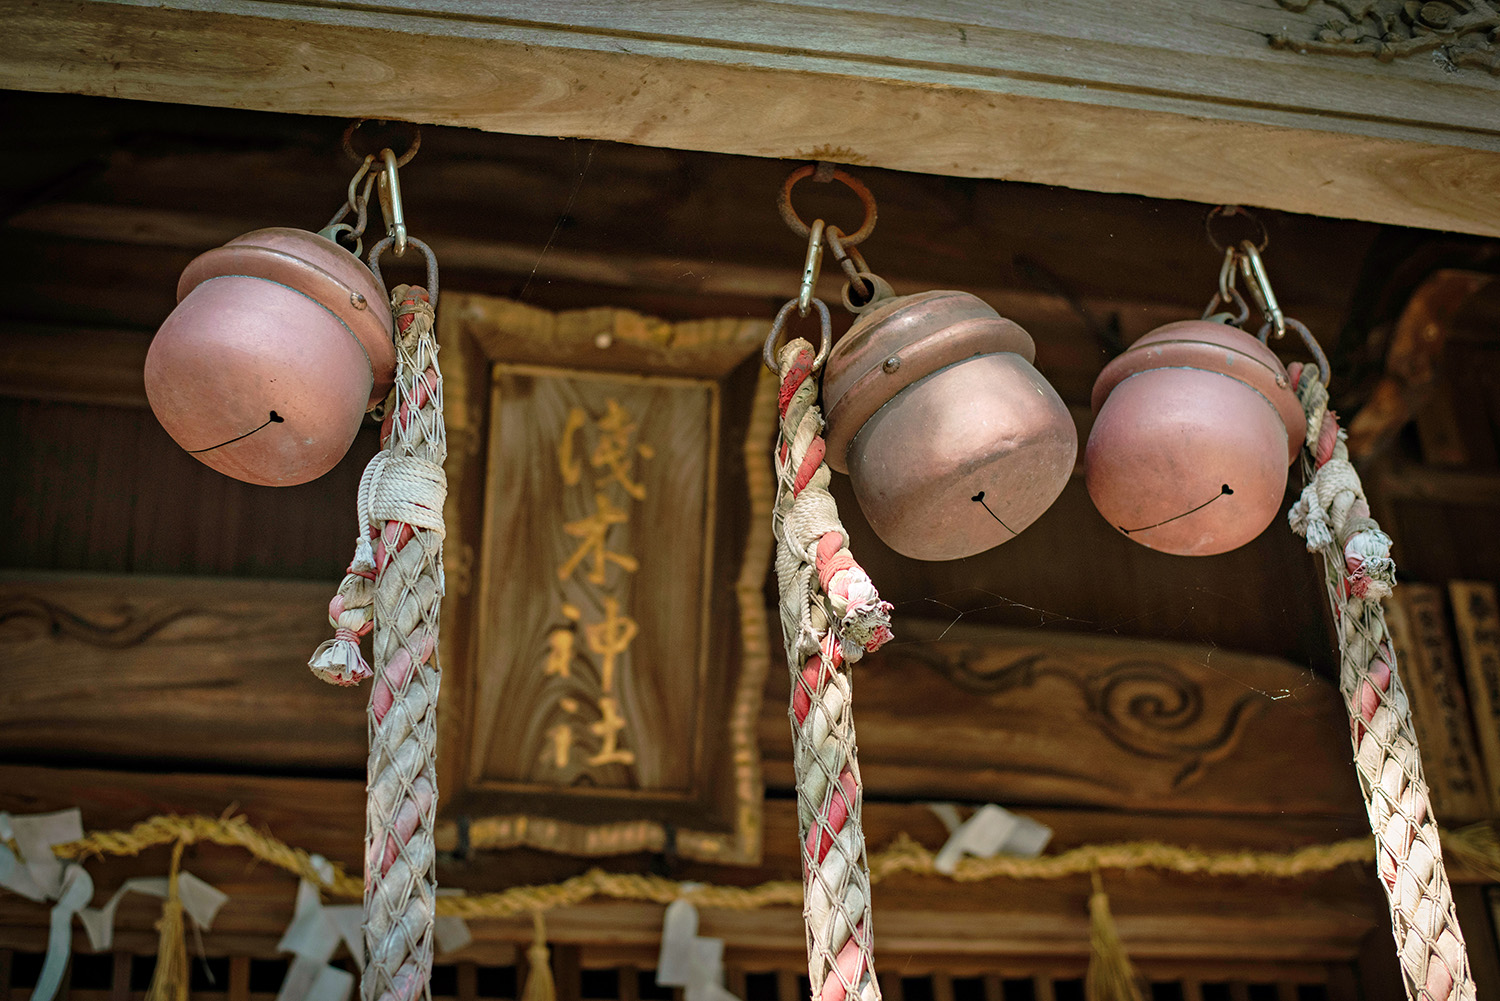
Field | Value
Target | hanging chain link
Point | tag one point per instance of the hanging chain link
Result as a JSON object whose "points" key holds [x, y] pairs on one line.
{"points": [[1242, 262], [862, 288], [386, 180], [357, 202]]}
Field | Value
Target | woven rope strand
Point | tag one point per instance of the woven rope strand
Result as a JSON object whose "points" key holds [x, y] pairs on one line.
{"points": [[1476, 845], [1334, 517], [831, 616], [394, 586], [405, 505]]}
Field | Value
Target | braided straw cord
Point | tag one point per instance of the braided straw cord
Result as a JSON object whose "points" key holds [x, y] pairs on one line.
{"points": [[1475, 845], [407, 504], [394, 586], [1334, 517], [831, 616]]}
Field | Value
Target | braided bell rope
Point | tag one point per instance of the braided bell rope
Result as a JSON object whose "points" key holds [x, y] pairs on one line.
{"points": [[831, 616], [394, 586], [1333, 515]]}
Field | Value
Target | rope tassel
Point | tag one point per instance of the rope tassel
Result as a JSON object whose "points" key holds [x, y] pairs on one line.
{"points": [[1110, 975], [831, 616], [539, 983], [169, 982], [1334, 517]]}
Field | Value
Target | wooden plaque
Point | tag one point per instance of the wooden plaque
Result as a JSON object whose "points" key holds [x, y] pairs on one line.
{"points": [[1431, 673], [1476, 613], [604, 635]]}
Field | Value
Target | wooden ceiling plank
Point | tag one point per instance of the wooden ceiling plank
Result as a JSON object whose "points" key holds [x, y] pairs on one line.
{"points": [[445, 65], [1157, 54], [134, 225]]}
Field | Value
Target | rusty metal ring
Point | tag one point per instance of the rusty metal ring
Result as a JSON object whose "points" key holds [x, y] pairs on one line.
{"points": [[339, 228], [778, 327], [880, 290], [1313, 347], [403, 159], [1234, 299], [1224, 212], [432, 268], [792, 219]]}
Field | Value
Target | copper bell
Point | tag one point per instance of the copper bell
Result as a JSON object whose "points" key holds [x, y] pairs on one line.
{"points": [[953, 441], [1195, 427], [280, 342]]}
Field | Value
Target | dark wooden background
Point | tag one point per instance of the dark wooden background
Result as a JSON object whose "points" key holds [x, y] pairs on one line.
{"points": [[105, 201]]}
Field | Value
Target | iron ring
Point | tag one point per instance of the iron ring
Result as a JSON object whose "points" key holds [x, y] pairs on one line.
{"points": [[432, 268], [1313, 347], [1223, 212], [403, 159], [778, 327], [792, 219]]}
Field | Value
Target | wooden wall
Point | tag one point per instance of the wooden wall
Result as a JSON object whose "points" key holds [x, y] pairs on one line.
{"points": [[158, 615]]}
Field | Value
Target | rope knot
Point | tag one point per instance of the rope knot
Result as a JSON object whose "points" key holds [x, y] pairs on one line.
{"points": [[339, 661], [864, 620], [411, 490], [1367, 559]]}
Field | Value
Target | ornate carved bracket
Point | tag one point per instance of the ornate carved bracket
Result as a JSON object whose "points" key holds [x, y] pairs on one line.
{"points": [[1457, 33]]}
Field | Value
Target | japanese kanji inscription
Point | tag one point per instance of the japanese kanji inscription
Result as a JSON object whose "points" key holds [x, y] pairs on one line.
{"points": [[595, 664], [603, 687]]}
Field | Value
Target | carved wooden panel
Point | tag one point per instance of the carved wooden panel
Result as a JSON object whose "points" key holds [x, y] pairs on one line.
{"points": [[1040, 716], [1452, 33], [605, 637], [181, 670]]}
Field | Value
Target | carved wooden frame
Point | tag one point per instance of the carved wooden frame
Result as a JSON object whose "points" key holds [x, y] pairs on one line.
{"points": [[478, 332]]}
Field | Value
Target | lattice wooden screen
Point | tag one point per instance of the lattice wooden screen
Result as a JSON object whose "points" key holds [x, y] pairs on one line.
{"points": [[123, 977]]}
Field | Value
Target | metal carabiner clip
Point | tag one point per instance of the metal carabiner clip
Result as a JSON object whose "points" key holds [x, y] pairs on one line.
{"points": [[390, 201], [811, 268], [1259, 283]]}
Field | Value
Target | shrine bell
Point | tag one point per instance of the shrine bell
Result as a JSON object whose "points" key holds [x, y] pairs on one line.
{"points": [[280, 343], [1195, 427], [954, 443]]}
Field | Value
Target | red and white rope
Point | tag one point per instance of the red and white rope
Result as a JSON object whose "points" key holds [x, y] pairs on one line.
{"points": [[1334, 517], [395, 584], [831, 616]]}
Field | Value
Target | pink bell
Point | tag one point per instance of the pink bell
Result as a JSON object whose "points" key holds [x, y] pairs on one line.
{"points": [[953, 441], [280, 342], [1195, 426]]}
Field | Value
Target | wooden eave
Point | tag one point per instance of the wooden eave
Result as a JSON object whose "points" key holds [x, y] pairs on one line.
{"points": [[1159, 98]]}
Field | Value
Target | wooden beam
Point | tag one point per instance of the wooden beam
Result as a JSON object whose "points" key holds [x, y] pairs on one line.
{"points": [[190, 671], [967, 712], [1049, 316], [1154, 99], [75, 365], [1048, 716], [1435, 484], [1412, 363]]}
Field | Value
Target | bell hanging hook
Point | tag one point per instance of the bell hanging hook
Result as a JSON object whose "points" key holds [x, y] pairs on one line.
{"points": [[390, 201], [863, 289], [1254, 271], [388, 176], [811, 268]]}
